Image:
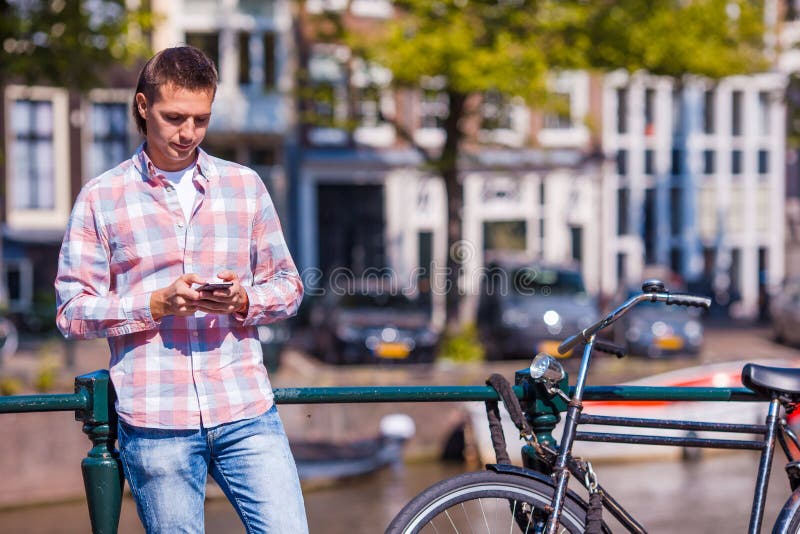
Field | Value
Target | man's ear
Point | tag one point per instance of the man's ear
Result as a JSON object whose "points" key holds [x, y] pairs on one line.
{"points": [[141, 105]]}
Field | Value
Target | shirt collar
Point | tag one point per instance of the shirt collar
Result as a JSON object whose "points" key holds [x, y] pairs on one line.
{"points": [[205, 165]]}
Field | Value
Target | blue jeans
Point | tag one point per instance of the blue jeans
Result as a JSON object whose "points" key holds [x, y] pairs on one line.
{"points": [[250, 460]]}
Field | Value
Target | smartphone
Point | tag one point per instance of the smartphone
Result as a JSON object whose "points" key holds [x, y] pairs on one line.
{"points": [[212, 287]]}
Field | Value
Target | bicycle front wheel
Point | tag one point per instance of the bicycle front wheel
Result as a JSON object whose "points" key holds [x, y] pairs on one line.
{"points": [[486, 502]]}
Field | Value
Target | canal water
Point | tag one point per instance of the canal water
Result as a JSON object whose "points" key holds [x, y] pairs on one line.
{"points": [[711, 496]]}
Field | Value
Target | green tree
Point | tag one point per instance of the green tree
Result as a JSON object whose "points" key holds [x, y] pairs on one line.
{"points": [[69, 43], [512, 46]]}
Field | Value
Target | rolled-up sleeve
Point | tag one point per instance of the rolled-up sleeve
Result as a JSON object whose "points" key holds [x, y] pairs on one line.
{"points": [[85, 307], [277, 289]]}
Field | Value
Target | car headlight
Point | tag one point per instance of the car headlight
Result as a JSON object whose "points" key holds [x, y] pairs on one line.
{"points": [[516, 318], [348, 333], [693, 329], [265, 334], [660, 329]]}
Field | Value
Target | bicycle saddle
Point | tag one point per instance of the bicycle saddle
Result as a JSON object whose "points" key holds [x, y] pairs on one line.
{"points": [[769, 380]]}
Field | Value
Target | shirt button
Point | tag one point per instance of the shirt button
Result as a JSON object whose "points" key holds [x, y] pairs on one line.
{"points": [[195, 334], [180, 225]]}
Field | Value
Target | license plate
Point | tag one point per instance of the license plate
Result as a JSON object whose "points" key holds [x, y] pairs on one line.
{"points": [[392, 350], [669, 343], [551, 347]]}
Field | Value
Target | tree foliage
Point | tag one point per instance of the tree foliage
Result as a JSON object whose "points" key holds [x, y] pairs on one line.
{"points": [[68, 42], [513, 46]]}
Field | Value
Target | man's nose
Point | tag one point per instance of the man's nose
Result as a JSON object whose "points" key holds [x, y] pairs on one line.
{"points": [[187, 129]]}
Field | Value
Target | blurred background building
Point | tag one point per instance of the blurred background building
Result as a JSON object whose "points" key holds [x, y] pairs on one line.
{"points": [[632, 172]]}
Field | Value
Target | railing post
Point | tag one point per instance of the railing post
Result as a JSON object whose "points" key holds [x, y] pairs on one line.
{"points": [[102, 472], [542, 410]]}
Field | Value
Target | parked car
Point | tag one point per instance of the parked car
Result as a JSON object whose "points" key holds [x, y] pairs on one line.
{"points": [[655, 330], [526, 308], [273, 338], [784, 312], [373, 325]]}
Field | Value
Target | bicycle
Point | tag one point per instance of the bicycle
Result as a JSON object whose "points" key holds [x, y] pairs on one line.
{"points": [[536, 498]]}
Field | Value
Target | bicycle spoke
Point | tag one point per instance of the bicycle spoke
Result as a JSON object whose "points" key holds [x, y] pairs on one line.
{"points": [[466, 516], [513, 517], [447, 513], [485, 521]]}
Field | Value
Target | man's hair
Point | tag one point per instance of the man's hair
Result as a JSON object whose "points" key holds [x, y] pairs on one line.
{"points": [[186, 67]]}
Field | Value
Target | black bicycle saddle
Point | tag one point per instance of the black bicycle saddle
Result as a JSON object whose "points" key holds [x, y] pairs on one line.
{"points": [[769, 380]]}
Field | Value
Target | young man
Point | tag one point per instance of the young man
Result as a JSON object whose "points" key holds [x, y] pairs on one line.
{"points": [[193, 395]]}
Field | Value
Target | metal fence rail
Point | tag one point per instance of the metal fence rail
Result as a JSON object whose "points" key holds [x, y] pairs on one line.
{"points": [[93, 404]]}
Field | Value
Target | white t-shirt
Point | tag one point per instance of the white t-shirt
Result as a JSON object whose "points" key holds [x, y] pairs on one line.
{"points": [[182, 182]]}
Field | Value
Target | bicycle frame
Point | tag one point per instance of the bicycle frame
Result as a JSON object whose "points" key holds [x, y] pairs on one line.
{"points": [[564, 466]]}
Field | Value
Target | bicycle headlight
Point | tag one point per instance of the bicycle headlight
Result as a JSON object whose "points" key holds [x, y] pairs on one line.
{"points": [[545, 367]]}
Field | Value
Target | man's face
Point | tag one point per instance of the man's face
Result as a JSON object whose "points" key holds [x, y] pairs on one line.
{"points": [[176, 124]]}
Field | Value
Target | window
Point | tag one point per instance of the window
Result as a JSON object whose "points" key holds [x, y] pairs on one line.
{"points": [[244, 58], [709, 162], [559, 117], [435, 104], [248, 49], [263, 156], [19, 281], [576, 241], [649, 162], [208, 42], [34, 172], [676, 211], [622, 162], [328, 91], [792, 9], [270, 66], [764, 108], [763, 161], [676, 260], [495, 112], [677, 111], [649, 227], [736, 162], [649, 111], [622, 110], [736, 113], [367, 105], [504, 235], [676, 165], [110, 140], [709, 116], [623, 195]]}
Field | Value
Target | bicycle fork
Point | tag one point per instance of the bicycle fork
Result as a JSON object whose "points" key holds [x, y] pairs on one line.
{"points": [[560, 470]]}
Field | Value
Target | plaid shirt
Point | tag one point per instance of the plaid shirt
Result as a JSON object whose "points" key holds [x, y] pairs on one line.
{"points": [[128, 237]]}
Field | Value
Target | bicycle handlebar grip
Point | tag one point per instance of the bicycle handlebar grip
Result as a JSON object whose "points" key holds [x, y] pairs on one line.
{"points": [[689, 300], [609, 347]]}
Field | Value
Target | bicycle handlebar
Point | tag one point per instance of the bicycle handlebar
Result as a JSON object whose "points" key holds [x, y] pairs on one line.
{"points": [[676, 299], [688, 300]]}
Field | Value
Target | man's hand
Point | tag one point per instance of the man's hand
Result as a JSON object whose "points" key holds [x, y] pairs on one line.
{"points": [[224, 301], [177, 298]]}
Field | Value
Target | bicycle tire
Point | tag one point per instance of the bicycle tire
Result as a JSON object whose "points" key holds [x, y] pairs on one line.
{"points": [[479, 498], [788, 521]]}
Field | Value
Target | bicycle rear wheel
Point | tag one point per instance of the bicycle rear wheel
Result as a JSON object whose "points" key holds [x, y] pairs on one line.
{"points": [[486, 502]]}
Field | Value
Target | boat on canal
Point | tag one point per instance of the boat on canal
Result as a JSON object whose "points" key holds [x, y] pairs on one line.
{"points": [[322, 460]]}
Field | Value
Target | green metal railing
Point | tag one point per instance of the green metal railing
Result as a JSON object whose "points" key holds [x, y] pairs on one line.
{"points": [[93, 404]]}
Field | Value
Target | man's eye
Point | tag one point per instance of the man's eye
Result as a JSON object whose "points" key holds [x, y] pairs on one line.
{"points": [[173, 117], [201, 120]]}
